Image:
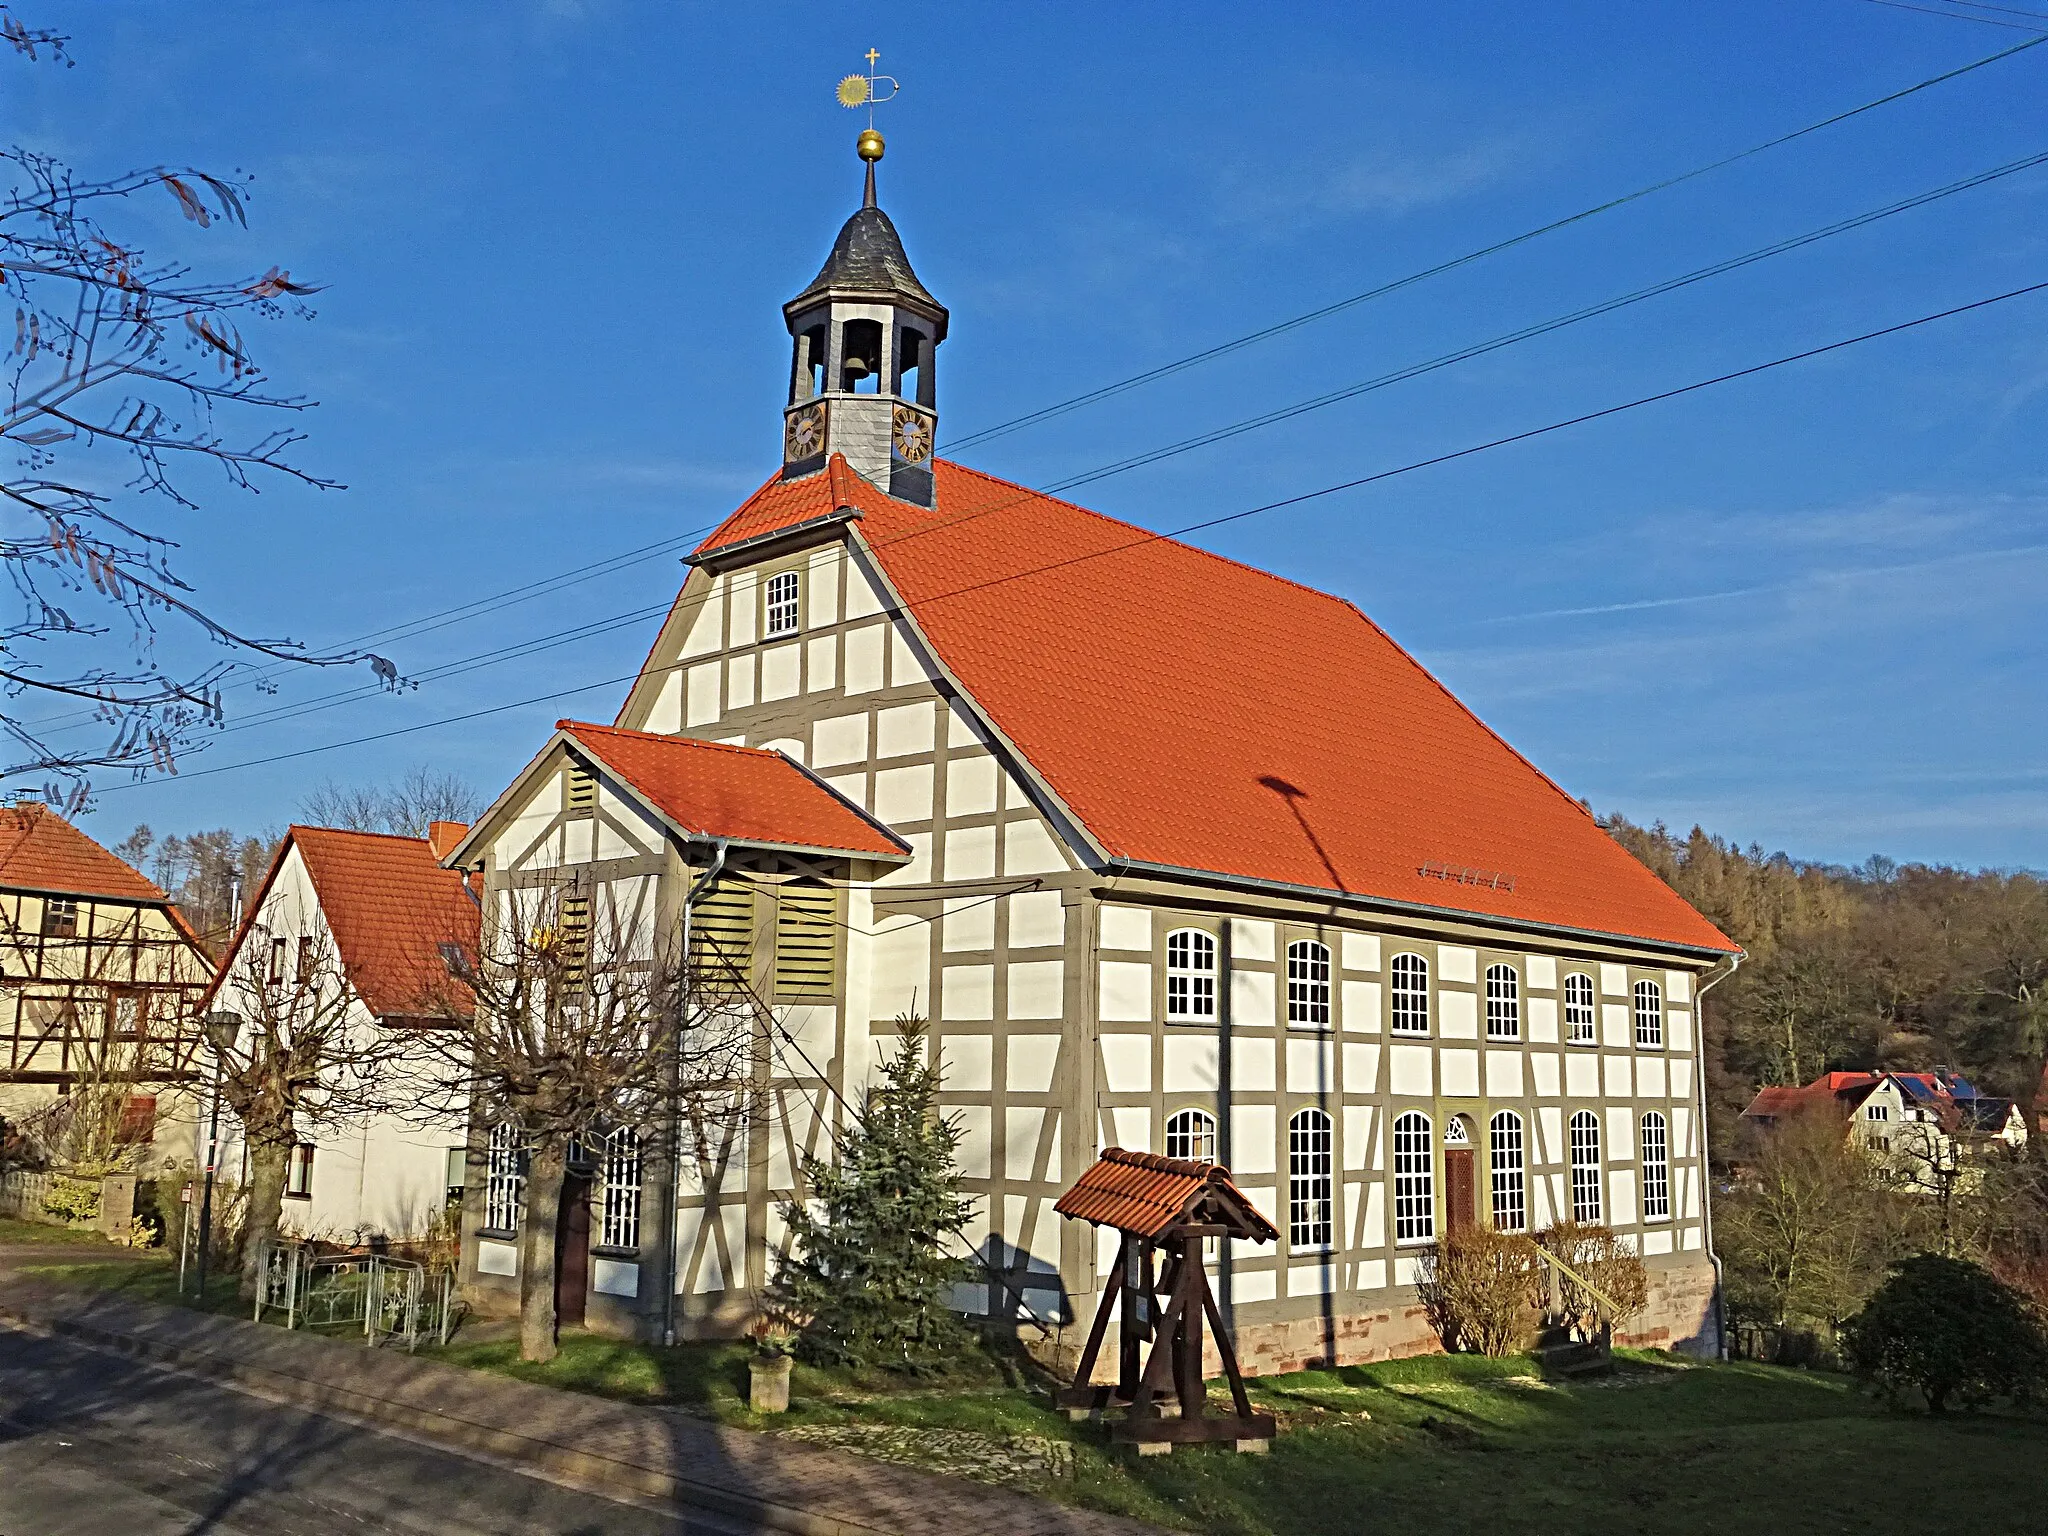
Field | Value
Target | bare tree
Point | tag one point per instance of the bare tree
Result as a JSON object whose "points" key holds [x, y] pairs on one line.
{"points": [[302, 1058], [406, 806], [121, 359], [587, 1018]]}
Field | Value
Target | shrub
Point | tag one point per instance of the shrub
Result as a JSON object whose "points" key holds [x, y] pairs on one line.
{"points": [[1596, 1253], [1950, 1330], [72, 1200], [1479, 1290]]}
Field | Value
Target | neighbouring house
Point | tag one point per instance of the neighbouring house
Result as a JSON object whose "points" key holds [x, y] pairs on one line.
{"points": [[361, 916], [1174, 855], [1920, 1126], [99, 978]]}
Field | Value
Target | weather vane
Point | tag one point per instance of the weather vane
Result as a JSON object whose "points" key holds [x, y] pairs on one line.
{"points": [[868, 89]]}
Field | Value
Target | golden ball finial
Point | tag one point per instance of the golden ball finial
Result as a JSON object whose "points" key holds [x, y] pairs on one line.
{"points": [[869, 145]]}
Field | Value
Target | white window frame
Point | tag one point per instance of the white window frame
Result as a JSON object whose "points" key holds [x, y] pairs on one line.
{"points": [[1656, 1140], [1191, 976], [1191, 1135], [620, 1225], [1581, 1010], [1414, 1179], [1503, 1002], [1308, 984], [1311, 1187], [1649, 1001], [781, 604], [1408, 994], [1508, 1166], [1589, 1194], [505, 1178], [298, 1176]]}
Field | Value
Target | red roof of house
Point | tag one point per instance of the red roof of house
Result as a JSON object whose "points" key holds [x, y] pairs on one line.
{"points": [[390, 906], [741, 793], [1846, 1088], [41, 851], [1144, 1194], [1199, 714]]}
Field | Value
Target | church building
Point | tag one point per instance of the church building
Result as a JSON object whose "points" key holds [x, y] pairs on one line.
{"points": [[1166, 852]]}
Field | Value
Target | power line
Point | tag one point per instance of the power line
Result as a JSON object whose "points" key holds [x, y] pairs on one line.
{"points": [[1928, 10], [1224, 349], [1196, 527]]}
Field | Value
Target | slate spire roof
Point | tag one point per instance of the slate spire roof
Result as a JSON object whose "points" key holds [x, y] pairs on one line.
{"points": [[868, 259], [1193, 715]]}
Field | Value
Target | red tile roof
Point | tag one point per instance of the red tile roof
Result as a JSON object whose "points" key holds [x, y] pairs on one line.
{"points": [[41, 851], [1199, 714], [742, 793], [1144, 1195], [390, 906]]}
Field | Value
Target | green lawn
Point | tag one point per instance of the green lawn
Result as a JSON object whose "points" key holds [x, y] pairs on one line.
{"points": [[13, 1231], [1438, 1444]]}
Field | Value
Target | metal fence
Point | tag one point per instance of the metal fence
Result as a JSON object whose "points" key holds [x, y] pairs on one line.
{"points": [[373, 1294]]}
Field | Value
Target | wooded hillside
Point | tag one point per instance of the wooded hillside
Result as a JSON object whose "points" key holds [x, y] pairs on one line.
{"points": [[1883, 965]]}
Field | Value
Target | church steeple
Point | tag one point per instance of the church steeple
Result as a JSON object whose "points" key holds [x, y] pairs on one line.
{"points": [[865, 334]]}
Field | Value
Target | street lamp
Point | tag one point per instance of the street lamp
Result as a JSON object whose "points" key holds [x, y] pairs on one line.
{"points": [[221, 1030]]}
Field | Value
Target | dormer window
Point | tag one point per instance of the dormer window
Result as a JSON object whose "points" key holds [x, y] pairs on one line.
{"points": [[782, 603]]}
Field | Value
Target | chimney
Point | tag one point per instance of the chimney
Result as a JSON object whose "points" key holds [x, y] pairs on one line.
{"points": [[442, 836]]}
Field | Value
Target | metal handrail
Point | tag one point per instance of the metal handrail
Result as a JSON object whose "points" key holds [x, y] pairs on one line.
{"points": [[1610, 1309]]}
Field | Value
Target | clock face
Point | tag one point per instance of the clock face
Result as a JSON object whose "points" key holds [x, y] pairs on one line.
{"points": [[803, 434], [913, 435]]}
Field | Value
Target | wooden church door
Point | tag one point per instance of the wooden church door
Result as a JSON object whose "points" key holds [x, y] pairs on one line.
{"points": [[572, 1247]]}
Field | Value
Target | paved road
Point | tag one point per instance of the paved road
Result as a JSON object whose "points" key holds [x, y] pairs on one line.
{"points": [[92, 1444]]}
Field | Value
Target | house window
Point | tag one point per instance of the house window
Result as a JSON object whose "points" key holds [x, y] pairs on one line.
{"points": [[1510, 1191], [1414, 1179], [1190, 974], [1585, 1134], [1411, 995], [308, 959], [782, 603], [1503, 1003], [1191, 1134], [505, 1178], [298, 1176], [129, 1015], [1656, 1169], [621, 1189], [1578, 1009], [277, 953], [1878, 1112], [1308, 1180], [60, 917], [1308, 984], [1649, 1014]]}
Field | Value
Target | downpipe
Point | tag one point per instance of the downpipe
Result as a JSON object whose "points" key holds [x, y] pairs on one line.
{"points": [[1699, 1050]]}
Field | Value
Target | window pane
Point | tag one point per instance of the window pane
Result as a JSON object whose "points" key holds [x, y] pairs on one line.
{"points": [[1191, 1134], [1510, 1194], [1656, 1169], [1414, 1179], [1190, 974], [1578, 1008], [1308, 983], [1411, 995], [1649, 1014], [1503, 1003], [1586, 1203], [622, 1189], [782, 603], [1308, 1180]]}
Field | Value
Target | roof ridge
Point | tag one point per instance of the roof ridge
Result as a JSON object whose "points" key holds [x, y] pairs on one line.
{"points": [[396, 837], [573, 726]]}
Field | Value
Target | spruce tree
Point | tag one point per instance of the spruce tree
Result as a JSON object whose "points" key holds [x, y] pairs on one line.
{"points": [[868, 1275]]}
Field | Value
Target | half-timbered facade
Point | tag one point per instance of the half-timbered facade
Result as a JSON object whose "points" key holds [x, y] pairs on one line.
{"points": [[1200, 863], [99, 974]]}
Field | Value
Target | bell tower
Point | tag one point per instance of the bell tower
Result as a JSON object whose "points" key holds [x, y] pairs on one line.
{"points": [[866, 332]]}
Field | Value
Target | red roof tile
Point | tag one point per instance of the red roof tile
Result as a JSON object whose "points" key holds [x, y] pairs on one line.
{"points": [[1144, 1195], [390, 906], [742, 793], [1199, 714], [41, 851]]}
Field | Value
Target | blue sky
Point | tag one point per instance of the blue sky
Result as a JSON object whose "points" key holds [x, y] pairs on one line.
{"points": [[1804, 609]]}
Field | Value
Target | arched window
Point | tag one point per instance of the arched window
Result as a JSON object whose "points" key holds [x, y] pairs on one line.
{"points": [[1578, 1009], [621, 1226], [1190, 974], [1510, 1190], [1308, 1180], [1411, 995], [1191, 1134], [1656, 1168], [1414, 1179], [782, 603], [505, 1178], [1308, 984], [1586, 1202], [1503, 1003], [1649, 1014]]}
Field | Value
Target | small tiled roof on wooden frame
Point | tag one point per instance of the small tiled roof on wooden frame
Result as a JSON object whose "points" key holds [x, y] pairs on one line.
{"points": [[1148, 1196]]}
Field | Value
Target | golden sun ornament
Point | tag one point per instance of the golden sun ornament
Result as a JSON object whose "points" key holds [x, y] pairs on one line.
{"points": [[854, 91]]}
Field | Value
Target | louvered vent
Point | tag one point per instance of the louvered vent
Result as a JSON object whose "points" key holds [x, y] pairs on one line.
{"points": [[582, 790], [575, 936], [722, 930], [806, 940]]}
